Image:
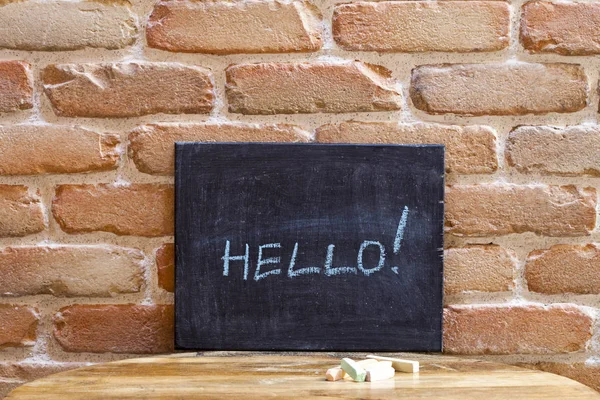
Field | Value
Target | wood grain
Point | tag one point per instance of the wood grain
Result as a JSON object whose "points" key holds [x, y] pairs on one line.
{"points": [[219, 375]]}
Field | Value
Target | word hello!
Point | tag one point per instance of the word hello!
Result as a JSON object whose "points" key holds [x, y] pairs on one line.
{"points": [[328, 268]]}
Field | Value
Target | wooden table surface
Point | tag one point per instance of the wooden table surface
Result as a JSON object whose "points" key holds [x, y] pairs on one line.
{"points": [[260, 376]]}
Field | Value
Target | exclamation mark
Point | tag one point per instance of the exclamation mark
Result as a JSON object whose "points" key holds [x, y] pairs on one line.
{"points": [[400, 234]]}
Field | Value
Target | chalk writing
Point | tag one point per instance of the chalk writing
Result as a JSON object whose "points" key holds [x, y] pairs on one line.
{"points": [[301, 271], [329, 270], [328, 267], [400, 235], [271, 260], [359, 260], [400, 230], [226, 258]]}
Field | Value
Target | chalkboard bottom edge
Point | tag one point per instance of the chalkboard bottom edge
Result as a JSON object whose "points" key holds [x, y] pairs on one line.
{"points": [[314, 350]]}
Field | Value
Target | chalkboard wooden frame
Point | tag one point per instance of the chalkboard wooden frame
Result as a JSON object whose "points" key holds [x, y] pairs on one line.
{"points": [[331, 247]]}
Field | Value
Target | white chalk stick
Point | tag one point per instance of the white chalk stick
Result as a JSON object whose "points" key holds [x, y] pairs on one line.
{"points": [[379, 373], [399, 364], [379, 364], [367, 362], [334, 374]]}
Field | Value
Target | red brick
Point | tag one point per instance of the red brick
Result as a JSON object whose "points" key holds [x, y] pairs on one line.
{"points": [[499, 89], [501, 209], [515, 330], [469, 149], [291, 88], [559, 151], [40, 149], [16, 86], [68, 271], [480, 268], [18, 325], [66, 25], [14, 374], [564, 269], [165, 263], [588, 374], [123, 328], [152, 146], [567, 28], [137, 209], [221, 27], [21, 211], [413, 26], [127, 89]]}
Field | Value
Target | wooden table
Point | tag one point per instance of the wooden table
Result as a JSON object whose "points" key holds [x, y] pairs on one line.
{"points": [[260, 376]]}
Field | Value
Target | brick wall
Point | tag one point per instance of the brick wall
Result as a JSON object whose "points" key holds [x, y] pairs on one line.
{"points": [[94, 93]]}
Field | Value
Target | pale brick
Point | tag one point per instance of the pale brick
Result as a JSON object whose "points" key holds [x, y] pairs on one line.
{"points": [[21, 211], [513, 88], [137, 209], [501, 209], [66, 25], [165, 264], [515, 330], [101, 271], [14, 374], [290, 88], [16, 86], [419, 26], [559, 151], [469, 149], [18, 325], [223, 27], [152, 146], [588, 374], [480, 268], [122, 328], [41, 149], [127, 89], [567, 28], [564, 269]]}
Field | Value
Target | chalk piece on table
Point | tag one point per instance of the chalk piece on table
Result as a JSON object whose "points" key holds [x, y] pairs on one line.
{"points": [[367, 362], [379, 372], [334, 374], [378, 364], [355, 371], [399, 364]]}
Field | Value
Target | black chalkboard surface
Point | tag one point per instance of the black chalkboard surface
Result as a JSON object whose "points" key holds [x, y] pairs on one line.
{"points": [[309, 247]]}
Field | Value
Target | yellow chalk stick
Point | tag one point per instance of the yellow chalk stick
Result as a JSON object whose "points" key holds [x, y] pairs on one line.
{"points": [[334, 374], [399, 364], [379, 373]]}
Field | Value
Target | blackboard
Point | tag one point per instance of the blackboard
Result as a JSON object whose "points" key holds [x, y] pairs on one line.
{"points": [[309, 247]]}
